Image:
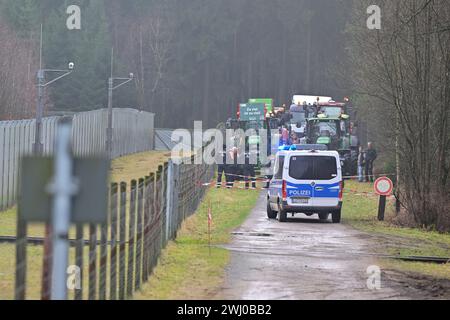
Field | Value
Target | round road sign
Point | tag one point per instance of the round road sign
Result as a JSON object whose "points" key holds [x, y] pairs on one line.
{"points": [[384, 186]]}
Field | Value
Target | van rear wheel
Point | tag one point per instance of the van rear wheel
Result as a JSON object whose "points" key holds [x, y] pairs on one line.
{"points": [[270, 213], [336, 216], [282, 216]]}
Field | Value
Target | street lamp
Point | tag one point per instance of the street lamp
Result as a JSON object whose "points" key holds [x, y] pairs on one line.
{"points": [[111, 88], [38, 146]]}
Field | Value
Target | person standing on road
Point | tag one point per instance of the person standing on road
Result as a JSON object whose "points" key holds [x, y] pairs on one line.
{"points": [[284, 136], [231, 167], [371, 156], [249, 172], [297, 107], [294, 138], [285, 119], [311, 111], [221, 167], [361, 164]]}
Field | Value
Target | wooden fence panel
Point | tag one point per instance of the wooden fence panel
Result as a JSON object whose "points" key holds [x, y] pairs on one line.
{"points": [[138, 227]]}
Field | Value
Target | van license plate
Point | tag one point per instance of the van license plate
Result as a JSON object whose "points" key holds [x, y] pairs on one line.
{"points": [[300, 200]]}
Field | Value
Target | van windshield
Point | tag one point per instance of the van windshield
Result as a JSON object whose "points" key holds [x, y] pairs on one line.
{"points": [[313, 168]]}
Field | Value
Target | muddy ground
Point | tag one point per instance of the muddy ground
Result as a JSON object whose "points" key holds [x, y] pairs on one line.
{"points": [[309, 259]]}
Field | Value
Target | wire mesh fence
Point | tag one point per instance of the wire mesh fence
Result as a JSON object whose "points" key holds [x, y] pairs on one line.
{"points": [[114, 260], [133, 132]]}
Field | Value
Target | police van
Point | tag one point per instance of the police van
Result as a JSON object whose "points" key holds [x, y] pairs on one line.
{"points": [[308, 182]]}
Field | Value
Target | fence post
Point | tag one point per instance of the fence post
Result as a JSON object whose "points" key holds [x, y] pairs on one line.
{"points": [[92, 261], [176, 206], [79, 249], [169, 198], [157, 213], [113, 257], [162, 213], [62, 192], [146, 249], [21, 259], [2, 160], [131, 238], [103, 256], [138, 268], [122, 239]]}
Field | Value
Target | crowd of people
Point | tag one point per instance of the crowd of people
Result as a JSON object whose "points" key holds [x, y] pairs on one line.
{"points": [[235, 170], [285, 115]]}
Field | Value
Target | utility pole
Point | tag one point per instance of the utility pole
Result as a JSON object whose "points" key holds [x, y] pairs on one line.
{"points": [[111, 88], [38, 150], [38, 146], [63, 188]]}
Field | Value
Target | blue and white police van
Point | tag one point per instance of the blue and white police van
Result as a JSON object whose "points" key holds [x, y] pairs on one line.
{"points": [[307, 181]]}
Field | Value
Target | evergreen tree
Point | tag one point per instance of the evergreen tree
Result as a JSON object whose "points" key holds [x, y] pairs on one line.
{"points": [[22, 15], [219, 53], [88, 48]]}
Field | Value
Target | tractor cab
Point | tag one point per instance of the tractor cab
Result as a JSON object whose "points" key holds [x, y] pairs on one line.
{"points": [[335, 134], [333, 109], [298, 122], [326, 131]]}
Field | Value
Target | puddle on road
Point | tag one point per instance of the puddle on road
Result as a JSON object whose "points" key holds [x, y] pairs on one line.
{"points": [[265, 235]]}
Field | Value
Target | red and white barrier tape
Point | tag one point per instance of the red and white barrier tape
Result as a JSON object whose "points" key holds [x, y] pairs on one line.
{"points": [[373, 175], [264, 178], [237, 183]]}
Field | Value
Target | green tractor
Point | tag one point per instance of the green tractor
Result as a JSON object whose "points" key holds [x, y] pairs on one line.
{"points": [[254, 115], [334, 132]]}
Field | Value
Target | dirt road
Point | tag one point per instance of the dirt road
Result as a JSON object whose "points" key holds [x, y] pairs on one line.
{"points": [[304, 259]]}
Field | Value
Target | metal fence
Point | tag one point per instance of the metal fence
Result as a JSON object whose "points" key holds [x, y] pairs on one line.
{"points": [[119, 256], [133, 132]]}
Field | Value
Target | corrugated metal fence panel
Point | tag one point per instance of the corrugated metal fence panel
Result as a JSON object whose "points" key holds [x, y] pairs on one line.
{"points": [[14, 141], [89, 132], [133, 132]]}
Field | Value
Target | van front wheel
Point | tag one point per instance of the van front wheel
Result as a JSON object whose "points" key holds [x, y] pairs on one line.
{"points": [[270, 213], [336, 216]]}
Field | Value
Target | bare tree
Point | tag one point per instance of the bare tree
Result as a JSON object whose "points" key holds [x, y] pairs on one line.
{"points": [[404, 69], [152, 39]]}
